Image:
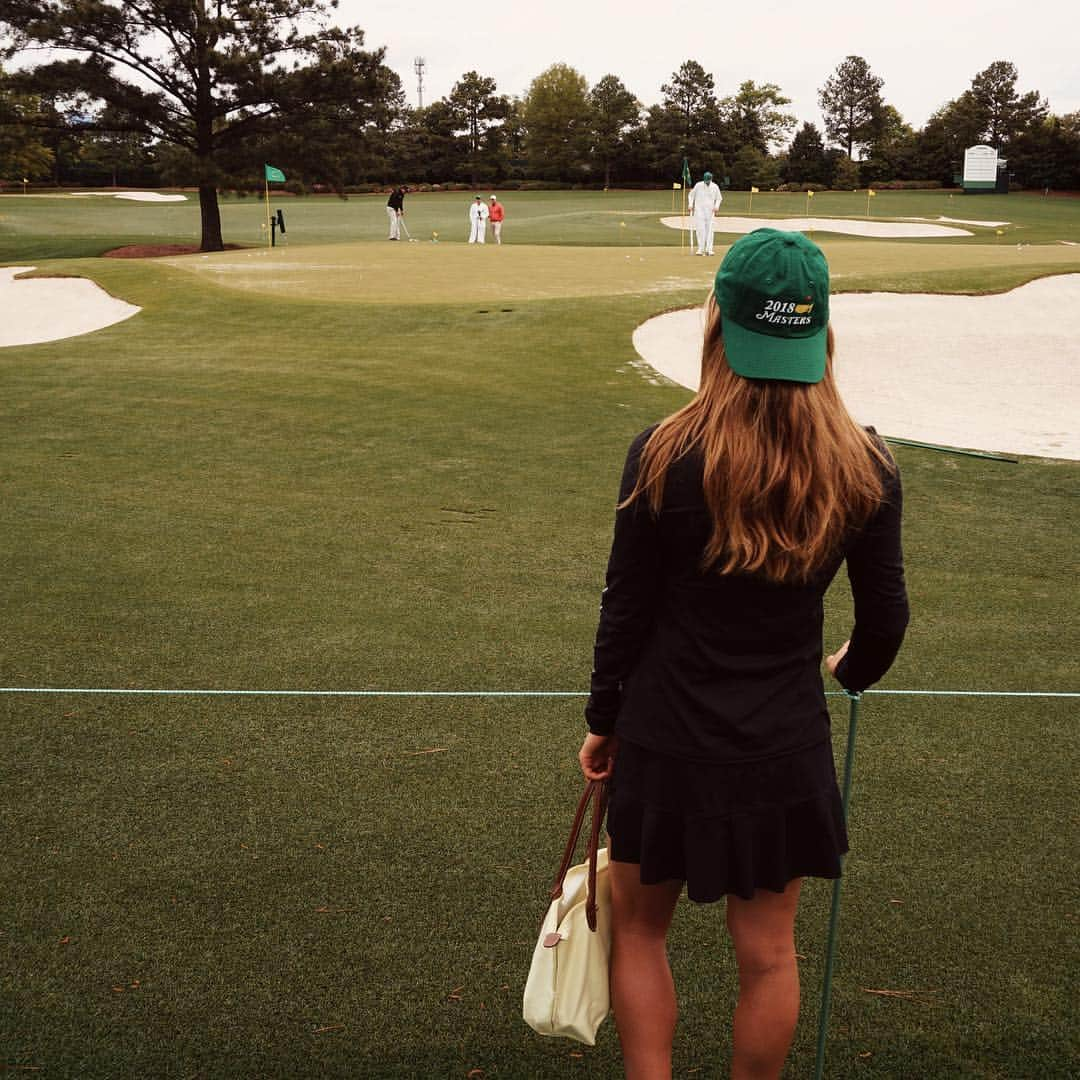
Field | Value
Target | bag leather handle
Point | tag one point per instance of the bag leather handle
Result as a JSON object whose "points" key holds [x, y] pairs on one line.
{"points": [[596, 793], [599, 807]]}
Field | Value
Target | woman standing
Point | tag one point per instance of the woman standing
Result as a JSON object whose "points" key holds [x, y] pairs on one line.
{"points": [[707, 711]]}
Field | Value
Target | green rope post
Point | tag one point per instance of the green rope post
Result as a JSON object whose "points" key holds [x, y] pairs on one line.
{"points": [[834, 913]]}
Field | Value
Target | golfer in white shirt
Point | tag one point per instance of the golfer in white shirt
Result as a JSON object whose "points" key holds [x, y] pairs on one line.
{"points": [[705, 200], [478, 215]]}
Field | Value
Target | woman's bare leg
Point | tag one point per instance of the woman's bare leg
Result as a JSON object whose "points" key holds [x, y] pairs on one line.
{"points": [[642, 991], [763, 931]]}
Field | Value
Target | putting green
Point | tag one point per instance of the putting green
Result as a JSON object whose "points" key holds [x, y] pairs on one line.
{"points": [[427, 273]]}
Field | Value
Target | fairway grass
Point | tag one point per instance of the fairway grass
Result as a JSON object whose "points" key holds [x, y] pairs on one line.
{"points": [[33, 228], [256, 488]]}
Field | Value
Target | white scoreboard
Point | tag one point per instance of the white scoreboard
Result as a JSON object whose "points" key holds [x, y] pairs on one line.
{"points": [[980, 168]]}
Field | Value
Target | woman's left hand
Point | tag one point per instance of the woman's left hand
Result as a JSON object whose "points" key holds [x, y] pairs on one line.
{"points": [[597, 756]]}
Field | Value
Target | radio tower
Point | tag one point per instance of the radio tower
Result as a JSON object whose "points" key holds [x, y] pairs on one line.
{"points": [[418, 66]]}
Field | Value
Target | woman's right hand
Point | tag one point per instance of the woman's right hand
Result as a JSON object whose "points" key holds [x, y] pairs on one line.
{"points": [[597, 756], [833, 661]]}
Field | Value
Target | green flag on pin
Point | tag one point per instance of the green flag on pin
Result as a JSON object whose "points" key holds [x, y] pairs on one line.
{"points": [[272, 174], [686, 172]]}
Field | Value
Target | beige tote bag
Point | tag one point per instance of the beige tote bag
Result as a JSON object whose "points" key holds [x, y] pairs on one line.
{"points": [[566, 992]]}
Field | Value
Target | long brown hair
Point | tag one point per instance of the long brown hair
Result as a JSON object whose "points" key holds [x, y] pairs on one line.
{"points": [[787, 471]]}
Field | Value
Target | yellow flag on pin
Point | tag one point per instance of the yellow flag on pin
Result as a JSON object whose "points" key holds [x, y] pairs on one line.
{"points": [[754, 190], [676, 187], [871, 193]]}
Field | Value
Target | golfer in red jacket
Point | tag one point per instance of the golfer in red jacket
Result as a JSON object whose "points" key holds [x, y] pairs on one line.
{"points": [[497, 215]]}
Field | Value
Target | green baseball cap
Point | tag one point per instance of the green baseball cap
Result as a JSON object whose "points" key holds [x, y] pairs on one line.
{"points": [[773, 292], [707, 176]]}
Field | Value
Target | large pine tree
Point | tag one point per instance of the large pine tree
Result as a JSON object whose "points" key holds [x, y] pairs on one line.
{"points": [[209, 79], [851, 103]]}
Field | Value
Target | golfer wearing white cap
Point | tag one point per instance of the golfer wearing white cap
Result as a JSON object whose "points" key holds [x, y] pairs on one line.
{"points": [[478, 215], [705, 200], [497, 215]]}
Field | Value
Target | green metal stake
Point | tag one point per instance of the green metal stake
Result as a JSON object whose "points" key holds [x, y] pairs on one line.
{"points": [[834, 914]]}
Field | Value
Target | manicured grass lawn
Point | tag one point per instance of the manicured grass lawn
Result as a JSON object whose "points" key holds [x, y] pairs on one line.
{"points": [[243, 489], [35, 228], [484, 279]]}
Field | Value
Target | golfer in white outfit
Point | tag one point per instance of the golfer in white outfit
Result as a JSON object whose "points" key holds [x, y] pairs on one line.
{"points": [[705, 200], [478, 215]]}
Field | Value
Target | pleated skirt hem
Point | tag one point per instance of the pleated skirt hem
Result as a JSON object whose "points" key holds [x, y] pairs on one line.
{"points": [[727, 828]]}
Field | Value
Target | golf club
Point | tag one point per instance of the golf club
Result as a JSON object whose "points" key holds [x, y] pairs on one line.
{"points": [[406, 228]]}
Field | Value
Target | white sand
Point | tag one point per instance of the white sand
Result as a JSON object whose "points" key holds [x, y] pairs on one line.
{"points": [[981, 372], [965, 221], [48, 309], [851, 227], [134, 196]]}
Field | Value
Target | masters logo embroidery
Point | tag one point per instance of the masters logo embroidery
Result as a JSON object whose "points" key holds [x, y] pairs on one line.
{"points": [[786, 312]]}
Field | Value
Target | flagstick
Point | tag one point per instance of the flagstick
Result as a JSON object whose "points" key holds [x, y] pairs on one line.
{"points": [[867, 202], [750, 205], [682, 217], [266, 183]]}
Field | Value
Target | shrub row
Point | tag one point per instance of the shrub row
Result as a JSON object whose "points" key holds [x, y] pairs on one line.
{"points": [[907, 185], [885, 185], [508, 184], [297, 187]]}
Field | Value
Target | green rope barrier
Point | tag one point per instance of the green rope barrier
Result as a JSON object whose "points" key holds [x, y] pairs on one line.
{"points": [[989, 454], [181, 691]]}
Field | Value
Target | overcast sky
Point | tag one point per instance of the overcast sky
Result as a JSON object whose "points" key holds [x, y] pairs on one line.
{"points": [[926, 50]]}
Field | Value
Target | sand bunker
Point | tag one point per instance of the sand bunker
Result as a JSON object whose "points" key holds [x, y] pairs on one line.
{"points": [[48, 309], [967, 221], [852, 227], [984, 372], [135, 196]]}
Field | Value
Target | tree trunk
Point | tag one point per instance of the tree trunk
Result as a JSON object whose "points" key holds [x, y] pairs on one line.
{"points": [[211, 218], [607, 175], [204, 135]]}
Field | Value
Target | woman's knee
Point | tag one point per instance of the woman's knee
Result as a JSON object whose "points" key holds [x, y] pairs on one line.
{"points": [[762, 960], [763, 930]]}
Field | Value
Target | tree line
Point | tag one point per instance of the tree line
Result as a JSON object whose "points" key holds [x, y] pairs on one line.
{"points": [[189, 93]]}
